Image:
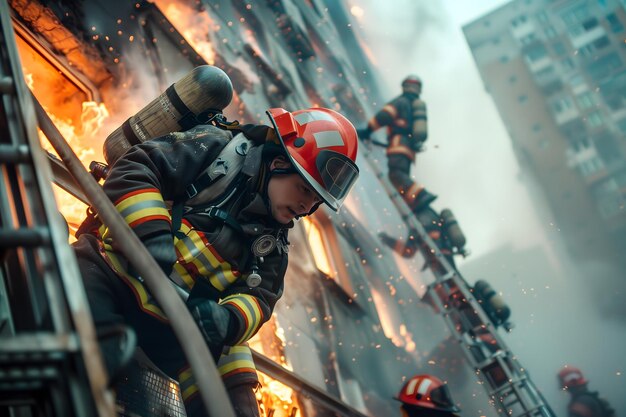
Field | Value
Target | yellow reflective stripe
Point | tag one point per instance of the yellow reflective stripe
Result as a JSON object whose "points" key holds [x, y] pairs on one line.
{"points": [[187, 383], [238, 357], [138, 198], [249, 308], [194, 251], [143, 206], [189, 391], [147, 303], [182, 277]]}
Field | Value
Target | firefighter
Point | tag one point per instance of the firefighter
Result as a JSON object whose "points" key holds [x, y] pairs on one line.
{"points": [[583, 403], [230, 257], [405, 118], [426, 396]]}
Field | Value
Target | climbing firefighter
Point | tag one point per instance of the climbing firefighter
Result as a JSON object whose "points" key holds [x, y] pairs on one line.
{"points": [[228, 252], [583, 403], [406, 122], [405, 118], [426, 396]]}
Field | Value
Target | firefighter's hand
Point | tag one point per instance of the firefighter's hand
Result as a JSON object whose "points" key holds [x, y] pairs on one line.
{"points": [[364, 134], [214, 322], [161, 247], [244, 401]]}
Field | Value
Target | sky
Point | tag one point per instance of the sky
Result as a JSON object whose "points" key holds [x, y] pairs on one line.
{"points": [[469, 163]]}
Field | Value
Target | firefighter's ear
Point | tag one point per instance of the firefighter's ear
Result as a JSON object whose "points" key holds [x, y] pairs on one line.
{"points": [[280, 162]]}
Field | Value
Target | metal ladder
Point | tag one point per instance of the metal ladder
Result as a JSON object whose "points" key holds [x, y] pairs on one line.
{"points": [[50, 364], [512, 392]]}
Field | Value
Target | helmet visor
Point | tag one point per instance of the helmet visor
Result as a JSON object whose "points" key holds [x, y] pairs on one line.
{"points": [[441, 397], [338, 174]]}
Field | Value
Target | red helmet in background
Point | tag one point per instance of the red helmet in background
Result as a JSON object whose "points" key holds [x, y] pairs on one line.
{"points": [[412, 84], [570, 377], [426, 391], [322, 145]]}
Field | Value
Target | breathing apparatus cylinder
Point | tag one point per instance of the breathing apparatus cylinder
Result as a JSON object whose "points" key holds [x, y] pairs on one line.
{"points": [[420, 124], [192, 100], [493, 303], [452, 229]]}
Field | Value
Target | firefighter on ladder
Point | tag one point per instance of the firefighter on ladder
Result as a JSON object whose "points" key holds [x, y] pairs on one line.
{"points": [[231, 259], [426, 396], [583, 403], [407, 130], [406, 122]]}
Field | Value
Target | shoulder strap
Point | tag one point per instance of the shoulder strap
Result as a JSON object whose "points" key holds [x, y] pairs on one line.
{"points": [[215, 181]]}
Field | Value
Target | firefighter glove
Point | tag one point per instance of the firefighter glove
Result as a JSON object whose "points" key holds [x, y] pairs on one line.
{"points": [[214, 321], [161, 247], [244, 401], [364, 134]]}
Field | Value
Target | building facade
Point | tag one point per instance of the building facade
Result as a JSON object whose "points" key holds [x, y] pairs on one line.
{"points": [[556, 71]]}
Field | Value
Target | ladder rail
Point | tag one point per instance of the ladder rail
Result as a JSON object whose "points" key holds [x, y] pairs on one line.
{"points": [[52, 261]]}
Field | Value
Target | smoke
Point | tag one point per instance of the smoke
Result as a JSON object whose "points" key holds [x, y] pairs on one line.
{"points": [[565, 312]]}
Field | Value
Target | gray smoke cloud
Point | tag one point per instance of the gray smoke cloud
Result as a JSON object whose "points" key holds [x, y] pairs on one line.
{"points": [[470, 164]]}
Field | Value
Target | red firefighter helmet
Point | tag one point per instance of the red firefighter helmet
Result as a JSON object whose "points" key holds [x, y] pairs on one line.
{"points": [[322, 146], [426, 391], [412, 84], [570, 376]]}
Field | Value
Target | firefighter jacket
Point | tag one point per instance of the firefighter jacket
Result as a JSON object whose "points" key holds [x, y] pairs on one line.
{"points": [[144, 182], [589, 404], [406, 122]]}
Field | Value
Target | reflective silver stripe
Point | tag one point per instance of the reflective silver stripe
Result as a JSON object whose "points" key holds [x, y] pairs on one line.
{"points": [[410, 389], [423, 388], [178, 279], [143, 205], [311, 116], [328, 138], [200, 256]]}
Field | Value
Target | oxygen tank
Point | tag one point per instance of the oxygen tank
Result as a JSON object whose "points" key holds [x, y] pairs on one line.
{"points": [[493, 303], [193, 99], [452, 229], [420, 127]]}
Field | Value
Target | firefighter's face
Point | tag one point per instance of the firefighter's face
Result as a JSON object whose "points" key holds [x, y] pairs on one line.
{"points": [[289, 195]]}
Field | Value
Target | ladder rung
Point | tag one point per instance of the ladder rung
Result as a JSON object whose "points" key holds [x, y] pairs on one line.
{"points": [[38, 343], [14, 154], [6, 85], [11, 238]]}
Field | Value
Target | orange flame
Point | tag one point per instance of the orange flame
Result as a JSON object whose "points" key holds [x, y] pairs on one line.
{"points": [[192, 24]]}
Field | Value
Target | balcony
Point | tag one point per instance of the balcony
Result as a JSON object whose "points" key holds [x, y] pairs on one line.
{"points": [[587, 37]]}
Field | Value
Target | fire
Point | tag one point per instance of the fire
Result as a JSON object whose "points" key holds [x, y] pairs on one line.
{"points": [[79, 136], [275, 398], [192, 24]]}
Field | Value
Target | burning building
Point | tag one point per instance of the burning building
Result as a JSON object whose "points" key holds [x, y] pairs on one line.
{"points": [[351, 326]]}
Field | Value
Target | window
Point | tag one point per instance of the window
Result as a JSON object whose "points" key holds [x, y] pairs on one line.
{"points": [[586, 51], [604, 66], [528, 39], [535, 53], [523, 98], [568, 64], [601, 43], [512, 79], [586, 100], [561, 104], [559, 48], [550, 32], [614, 22], [520, 20], [504, 59], [590, 23], [595, 119]]}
